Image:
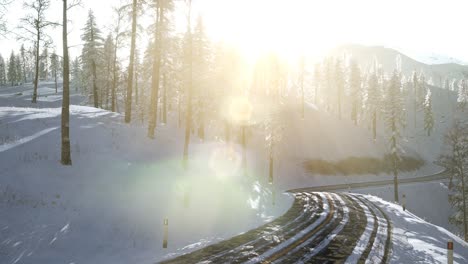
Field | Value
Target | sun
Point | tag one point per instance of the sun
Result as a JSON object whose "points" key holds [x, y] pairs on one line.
{"points": [[261, 27]]}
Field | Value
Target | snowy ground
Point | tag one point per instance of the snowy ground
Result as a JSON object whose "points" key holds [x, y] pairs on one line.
{"points": [[417, 241], [110, 205], [427, 200]]}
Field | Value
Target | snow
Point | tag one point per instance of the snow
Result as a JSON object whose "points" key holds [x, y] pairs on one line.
{"points": [[5, 147], [330, 236], [427, 200], [110, 205], [291, 240], [364, 239], [417, 241]]}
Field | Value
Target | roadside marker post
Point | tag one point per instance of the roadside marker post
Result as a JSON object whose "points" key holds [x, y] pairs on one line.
{"points": [[450, 252], [166, 223]]}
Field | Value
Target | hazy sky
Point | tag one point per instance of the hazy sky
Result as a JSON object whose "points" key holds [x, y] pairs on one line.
{"points": [[295, 26]]}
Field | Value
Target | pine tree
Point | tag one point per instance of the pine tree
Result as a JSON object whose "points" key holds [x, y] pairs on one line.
{"points": [[301, 84], [12, 76], [3, 77], [394, 117], [54, 68], [90, 53], [273, 126], [339, 84], [44, 64], [355, 90], [76, 74], [428, 116], [415, 95], [19, 69], [23, 63], [373, 100], [317, 81], [136, 81], [146, 76], [456, 161], [108, 56], [128, 103], [200, 74], [462, 98], [162, 8], [420, 91], [118, 35], [189, 89]]}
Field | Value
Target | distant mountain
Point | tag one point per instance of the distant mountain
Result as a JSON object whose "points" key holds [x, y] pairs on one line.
{"points": [[386, 57], [434, 58]]}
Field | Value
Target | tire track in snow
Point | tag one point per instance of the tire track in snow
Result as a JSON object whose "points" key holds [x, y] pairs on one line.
{"points": [[349, 229], [304, 235], [260, 244], [364, 245], [315, 250], [380, 250], [213, 253], [311, 218], [21, 141]]}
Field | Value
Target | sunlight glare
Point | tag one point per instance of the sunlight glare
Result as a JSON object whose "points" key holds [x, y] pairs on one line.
{"points": [[225, 162], [240, 110]]}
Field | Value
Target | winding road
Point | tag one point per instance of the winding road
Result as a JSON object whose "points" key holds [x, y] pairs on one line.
{"points": [[320, 227]]}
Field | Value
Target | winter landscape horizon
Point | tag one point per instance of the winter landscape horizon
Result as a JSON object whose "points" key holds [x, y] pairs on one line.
{"points": [[206, 131]]}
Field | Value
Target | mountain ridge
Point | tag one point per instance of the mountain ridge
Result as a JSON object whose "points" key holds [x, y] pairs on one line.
{"points": [[386, 58]]}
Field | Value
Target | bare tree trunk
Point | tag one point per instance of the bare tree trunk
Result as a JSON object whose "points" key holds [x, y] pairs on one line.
{"points": [[142, 104], [114, 83], [65, 127], [107, 85], [95, 89], [128, 102], [164, 111], [36, 77], [55, 80], [155, 78], [136, 87]]}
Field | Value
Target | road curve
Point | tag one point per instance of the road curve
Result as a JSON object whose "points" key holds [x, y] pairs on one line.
{"points": [[320, 227], [357, 185]]}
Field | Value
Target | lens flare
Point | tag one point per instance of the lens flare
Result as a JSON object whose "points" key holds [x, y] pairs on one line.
{"points": [[225, 162]]}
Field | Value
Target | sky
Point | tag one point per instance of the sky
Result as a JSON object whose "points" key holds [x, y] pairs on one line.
{"points": [[295, 26]]}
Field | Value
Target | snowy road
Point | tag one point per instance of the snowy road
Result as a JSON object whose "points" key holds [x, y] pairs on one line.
{"points": [[358, 185], [319, 228]]}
